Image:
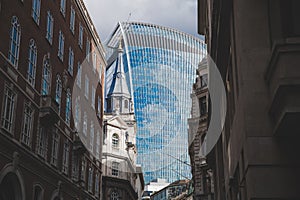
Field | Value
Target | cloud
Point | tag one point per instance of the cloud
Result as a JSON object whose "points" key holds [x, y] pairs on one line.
{"points": [[178, 14]]}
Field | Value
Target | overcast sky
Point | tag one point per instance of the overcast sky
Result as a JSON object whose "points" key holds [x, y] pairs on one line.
{"points": [[178, 14]]}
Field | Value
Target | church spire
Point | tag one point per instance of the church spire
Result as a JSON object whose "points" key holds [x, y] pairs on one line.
{"points": [[118, 97]]}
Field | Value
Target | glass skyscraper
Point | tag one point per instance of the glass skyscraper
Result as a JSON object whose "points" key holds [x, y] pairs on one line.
{"points": [[160, 65]]}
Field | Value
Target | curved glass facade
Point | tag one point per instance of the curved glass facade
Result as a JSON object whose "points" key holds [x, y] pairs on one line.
{"points": [[160, 65]]}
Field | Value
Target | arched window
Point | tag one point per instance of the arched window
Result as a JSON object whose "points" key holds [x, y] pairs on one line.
{"points": [[38, 193], [68, 106], [58, 91], [32, 56], [114, 195], [115, 140], [46, 79], [15, 36]]}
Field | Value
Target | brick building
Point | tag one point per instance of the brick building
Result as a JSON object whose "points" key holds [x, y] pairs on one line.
{"points": [[42, 50], [255, 44]]}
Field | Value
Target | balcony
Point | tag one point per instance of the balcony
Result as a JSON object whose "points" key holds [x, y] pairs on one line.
{"points": [[283, 79], [49, 113]]}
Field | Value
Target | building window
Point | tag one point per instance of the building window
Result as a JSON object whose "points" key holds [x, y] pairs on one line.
{"points": [[78, 77], [15, 36], [72, 20], [204, 79], [94, 61], [8, 109], [90, 182], [49, 34], [92, 132], [68, 107], [83, 167], [63, 7], [80, 37], [46, 78], [77, 113], [42, 143], [65, 162], [93, 97], [32, 57], [27, 124], [114, 195], [84, 128], [58, 91], [203, 107], [115, 140], [97, 184], [126, 104], [36, 7], [71, 61], [98, 144], [38, 193], [88, 48], [61, 44], [55, 148], [115, 169], [99, 106], [75, 166], [86, 86]]}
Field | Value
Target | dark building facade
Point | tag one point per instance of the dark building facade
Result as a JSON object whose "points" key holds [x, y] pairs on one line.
{"points": [[255, 45], [43, 45], [198, 124]]}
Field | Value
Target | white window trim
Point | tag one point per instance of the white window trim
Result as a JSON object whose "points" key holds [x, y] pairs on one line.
{"points": [[55, 148], [71, 61], [61, 46], [35, 14], [8, 124], [65, 161], [28, 117], [72, 20], [32, 63], [49, 33], [14, 55]]}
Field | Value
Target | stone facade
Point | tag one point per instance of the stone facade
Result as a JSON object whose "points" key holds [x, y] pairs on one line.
{"points": [[198, 124], [255, 45], [41, 154]]}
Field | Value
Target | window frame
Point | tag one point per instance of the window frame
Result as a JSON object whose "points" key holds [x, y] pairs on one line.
{"points": [[66, 157], [72, 19], [49, 27], [46, 81], [71, 61], [115, 168], [36, 11], [115, 141], [15, 32], [28, 118], [32, 61], [8, 114], [61, 46], [55, 147]]}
